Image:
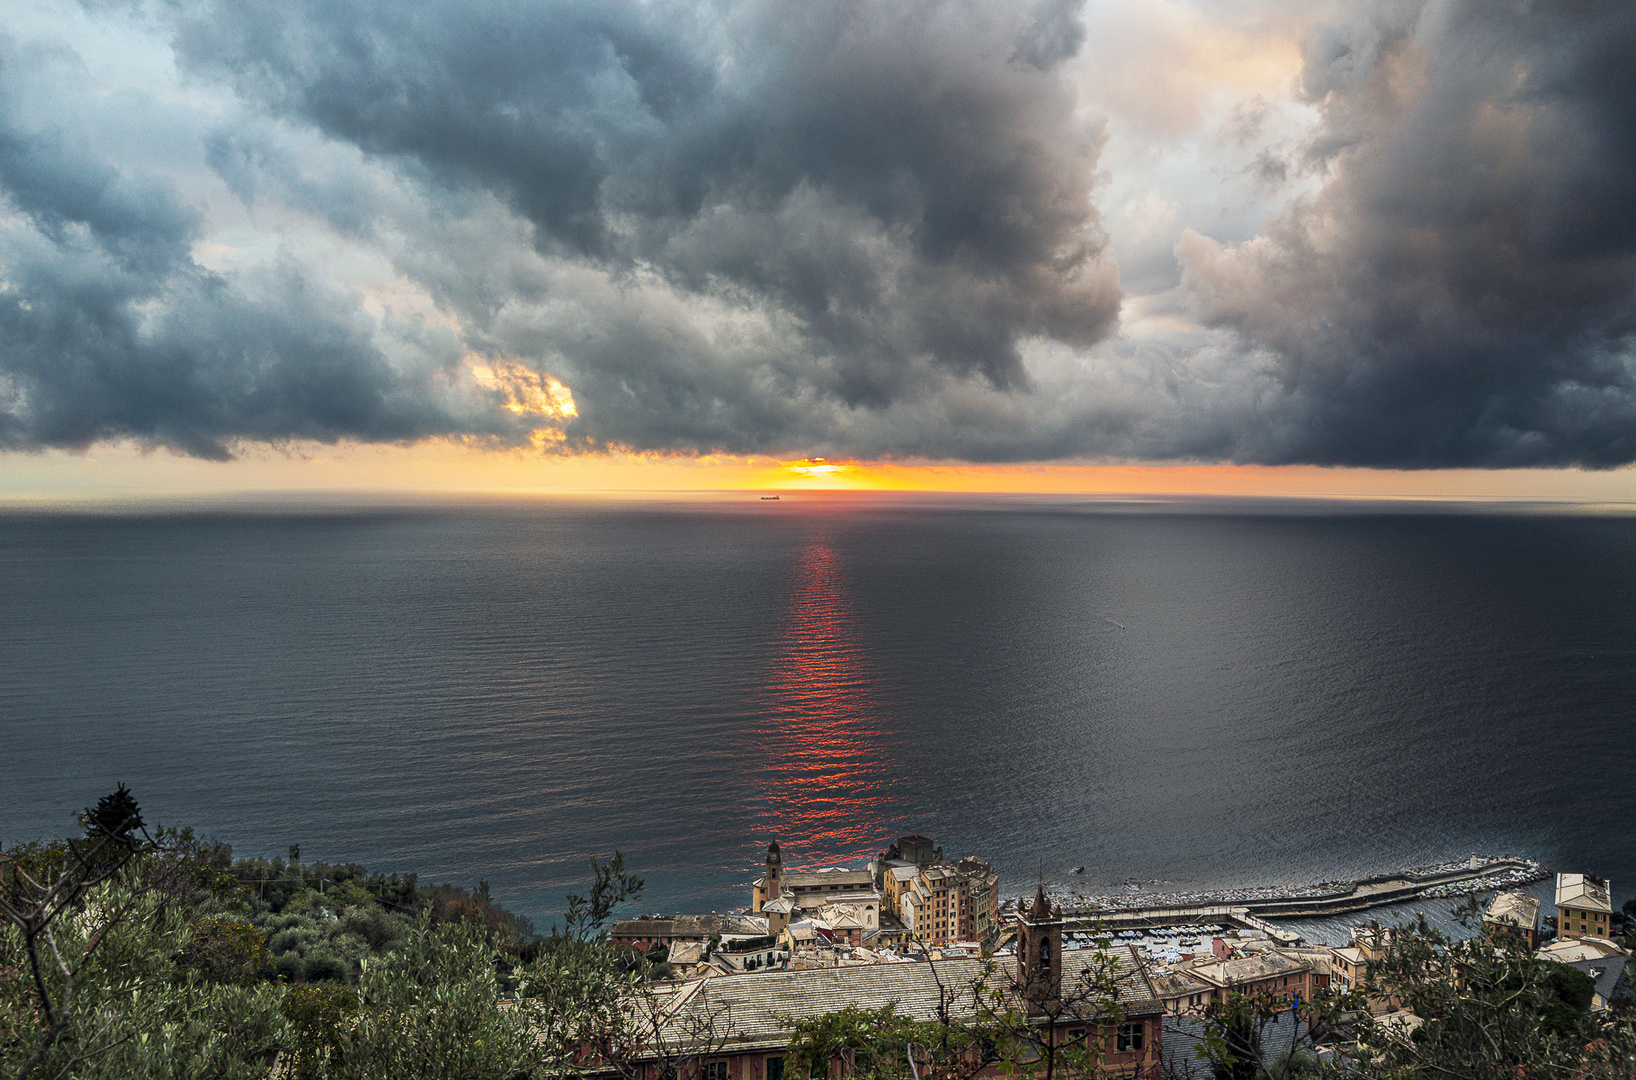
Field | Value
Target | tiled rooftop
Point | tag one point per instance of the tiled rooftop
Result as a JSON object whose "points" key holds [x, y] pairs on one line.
{"points": [[1248, 969], [1582, 891], [1177, 983], [844, 878], [754, 1009], [688, 926], [1518, 909]]}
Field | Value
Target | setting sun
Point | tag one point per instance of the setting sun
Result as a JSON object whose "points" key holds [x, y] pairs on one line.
{"points": [[820, 473]]}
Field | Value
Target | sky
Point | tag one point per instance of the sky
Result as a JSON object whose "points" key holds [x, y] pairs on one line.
{"points": [[1249, 246]]}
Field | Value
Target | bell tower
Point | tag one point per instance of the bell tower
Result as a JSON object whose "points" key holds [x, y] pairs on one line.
{"points": [[771, 883], [1039, 953]]}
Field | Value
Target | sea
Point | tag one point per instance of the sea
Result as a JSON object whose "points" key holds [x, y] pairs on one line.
{"points": [[1101, 695]]}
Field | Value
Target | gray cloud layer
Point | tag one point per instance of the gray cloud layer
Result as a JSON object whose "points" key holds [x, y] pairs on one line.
{"points": [[110, 329], [1463, 292], [840, 228]]}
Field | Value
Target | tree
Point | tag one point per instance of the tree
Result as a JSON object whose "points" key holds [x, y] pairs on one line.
{"points": [[41, 884], [1491, 1008], [1487, 1009], [1021, 1035], [982, 1020], [611, 886], [116, 815], [434, 1007], [1236, 1046], [880, 1043], [127, 953]]}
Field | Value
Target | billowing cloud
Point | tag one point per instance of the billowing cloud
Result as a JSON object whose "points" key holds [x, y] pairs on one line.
{"points": [[110, 329], [838, 228], [1463, 289]]}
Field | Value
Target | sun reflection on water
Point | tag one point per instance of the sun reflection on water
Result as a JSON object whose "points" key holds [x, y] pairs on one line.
{"points": [[826, 773]]}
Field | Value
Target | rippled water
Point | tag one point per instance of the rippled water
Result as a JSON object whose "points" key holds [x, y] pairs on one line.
{"points": [[1201, 696]]}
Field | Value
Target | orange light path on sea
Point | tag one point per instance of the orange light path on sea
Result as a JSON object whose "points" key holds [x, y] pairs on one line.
{"points": [[825, 761]]}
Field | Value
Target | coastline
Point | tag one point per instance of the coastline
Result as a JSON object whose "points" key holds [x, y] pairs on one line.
{"points": [[1473, 875]]}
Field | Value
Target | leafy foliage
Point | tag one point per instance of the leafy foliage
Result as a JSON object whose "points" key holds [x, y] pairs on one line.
{"points": [[975, 1028], [873, 1043], [226, 951], [153, 955], [1492, 1009], [1485, 1008]]}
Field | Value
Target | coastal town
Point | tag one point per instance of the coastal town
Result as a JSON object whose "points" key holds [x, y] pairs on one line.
{"points": [[912, 923]]}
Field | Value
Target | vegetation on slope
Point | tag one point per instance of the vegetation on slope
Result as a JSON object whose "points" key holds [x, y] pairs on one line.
{"points": [[130, 953], [136, 954]]}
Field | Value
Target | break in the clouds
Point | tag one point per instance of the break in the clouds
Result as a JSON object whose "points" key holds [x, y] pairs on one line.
{"points": [[1395, 234]]}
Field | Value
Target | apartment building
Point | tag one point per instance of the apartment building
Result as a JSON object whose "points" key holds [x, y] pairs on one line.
{"points": [[935, 899], [1584, 907]]}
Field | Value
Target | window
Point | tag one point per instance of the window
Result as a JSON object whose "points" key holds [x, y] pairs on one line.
{"points": [[1129, 1037], [1074, 1036], [775, 1068], [715, 1070]]}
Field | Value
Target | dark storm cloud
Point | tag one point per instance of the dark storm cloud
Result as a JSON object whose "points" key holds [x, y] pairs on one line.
{"points": [[839, 227], [109, 329], [1463, 290], [905, 185]]}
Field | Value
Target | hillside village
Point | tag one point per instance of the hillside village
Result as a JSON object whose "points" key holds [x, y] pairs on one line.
{"points": [[913, 920], [910, 968]]}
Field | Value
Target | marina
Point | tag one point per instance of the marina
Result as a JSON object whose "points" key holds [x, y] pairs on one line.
{"points": [[1152, 919]]}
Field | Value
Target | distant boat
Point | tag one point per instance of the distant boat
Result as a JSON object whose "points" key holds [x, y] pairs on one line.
{"points": [[769, 498]]}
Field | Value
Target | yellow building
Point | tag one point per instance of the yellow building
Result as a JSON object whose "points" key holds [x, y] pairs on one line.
{"points": [[937, 900], [1583, 907]]}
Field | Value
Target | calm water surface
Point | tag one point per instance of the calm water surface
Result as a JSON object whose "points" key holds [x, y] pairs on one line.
{"points": [[1200, 696]]}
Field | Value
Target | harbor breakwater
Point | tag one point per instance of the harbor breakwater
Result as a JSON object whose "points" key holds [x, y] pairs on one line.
{"points": [[1247, 908]]}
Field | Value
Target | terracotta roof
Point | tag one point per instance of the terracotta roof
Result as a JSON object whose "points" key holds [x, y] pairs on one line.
{"points": [[754, 1009], [684, 953], [1569, 950]]}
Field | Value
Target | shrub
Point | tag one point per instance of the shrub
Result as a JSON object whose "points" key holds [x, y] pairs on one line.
{"points": [[321, 965], [226, 951]]}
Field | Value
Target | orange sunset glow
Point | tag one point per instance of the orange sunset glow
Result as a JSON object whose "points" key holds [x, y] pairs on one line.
{"points": [[446, 466]]}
